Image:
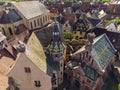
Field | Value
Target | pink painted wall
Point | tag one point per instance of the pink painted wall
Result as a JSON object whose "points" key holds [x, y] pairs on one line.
{"points": [[25, 81]]}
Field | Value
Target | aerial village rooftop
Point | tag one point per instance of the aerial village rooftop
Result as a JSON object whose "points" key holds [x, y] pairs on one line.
{"points": [[59, 45]]}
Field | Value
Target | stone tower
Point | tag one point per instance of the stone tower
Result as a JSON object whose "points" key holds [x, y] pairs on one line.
{"points": [[56, 49]]}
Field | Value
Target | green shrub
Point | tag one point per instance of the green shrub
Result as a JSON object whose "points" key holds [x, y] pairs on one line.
{"points": [[119, 86], [68, 35], [118, 21], [105, 1]]}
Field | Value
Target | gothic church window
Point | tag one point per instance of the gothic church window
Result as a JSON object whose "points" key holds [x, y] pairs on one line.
{"points": [[3, 30], [10, 31]]}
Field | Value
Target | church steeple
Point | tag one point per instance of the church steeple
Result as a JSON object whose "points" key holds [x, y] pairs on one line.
{"points": [[56, 45], [56, 49]]}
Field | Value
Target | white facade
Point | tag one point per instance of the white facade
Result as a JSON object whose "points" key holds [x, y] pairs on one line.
{"points": [[34, 14]]}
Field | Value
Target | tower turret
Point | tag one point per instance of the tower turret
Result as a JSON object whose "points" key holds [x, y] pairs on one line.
{"points": [[56, 49], [56, 46]]}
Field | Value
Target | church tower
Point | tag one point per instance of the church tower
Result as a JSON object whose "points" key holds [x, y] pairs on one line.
{"points": [[56, 49]]}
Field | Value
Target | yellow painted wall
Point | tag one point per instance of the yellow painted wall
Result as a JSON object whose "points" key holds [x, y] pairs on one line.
{"points": [[36, 53], [78, 34]]}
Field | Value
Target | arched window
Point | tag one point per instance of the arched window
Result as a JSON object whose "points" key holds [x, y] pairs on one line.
{"points": [[46, 18], [3, 31], [35, 23], [41, 21], [38, 22], [31, 25], [10, 31]]}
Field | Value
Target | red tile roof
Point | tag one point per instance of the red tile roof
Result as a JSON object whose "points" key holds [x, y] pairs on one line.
{"points": [[71, 17], [3, 82], [85, 6], [6, 61]]}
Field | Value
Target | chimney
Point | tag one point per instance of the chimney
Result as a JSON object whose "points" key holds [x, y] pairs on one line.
{"points": [[90, 37]]}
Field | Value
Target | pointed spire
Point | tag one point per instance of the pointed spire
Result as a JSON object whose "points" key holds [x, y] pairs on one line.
{"points": [[90, 37], [56, 45], [56, 31]]}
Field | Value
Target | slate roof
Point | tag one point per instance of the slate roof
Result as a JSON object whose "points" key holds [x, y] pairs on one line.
{"points": [[97, 31], [60, 19], [30, 9], [85, 6], [40, 39], [45, 35], [94, 21], [91, 73], [6, 62], [102, 51], [81, 23], [9, 17]]}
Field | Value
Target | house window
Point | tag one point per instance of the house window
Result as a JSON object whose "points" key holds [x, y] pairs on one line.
{"points": [[61, 73], [83, 55], [75, 32], [3, 30], [53, 79], [37, 83], [41, 21], [48, 17], [76, 37], [10, 31], [89, 58], [80, 32], [38, 22], [61, 64], [56, 56], [31, 25], [87, 54], [45, 18], [88, 81], [78, 76], [27, 70], [80, 57], [81, 38], [92, 62], [35, 23]]}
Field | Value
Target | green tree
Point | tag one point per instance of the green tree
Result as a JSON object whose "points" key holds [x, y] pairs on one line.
{"points": [[68, 35], [118, 21], [119, 86], [52, 1]]}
